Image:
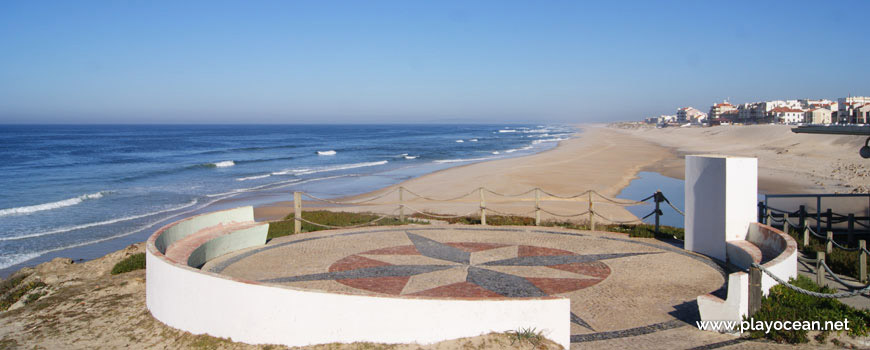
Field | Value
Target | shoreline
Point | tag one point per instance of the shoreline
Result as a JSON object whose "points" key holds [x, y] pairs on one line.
{"points": [[562, 170]]}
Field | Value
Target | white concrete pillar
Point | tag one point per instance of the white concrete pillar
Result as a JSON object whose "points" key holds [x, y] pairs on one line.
{"points": [[721, 194]]}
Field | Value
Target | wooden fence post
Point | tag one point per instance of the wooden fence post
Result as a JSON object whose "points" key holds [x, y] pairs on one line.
{"points": [[401, 204], [830, 245], [482, 207], [785, 227], [297, 212], [591, 213], [862, 261], [656, 198], [802, 220], [754, 289], [820, 271], [537, 206], [851, 229], [830, 216], [806, 236]]}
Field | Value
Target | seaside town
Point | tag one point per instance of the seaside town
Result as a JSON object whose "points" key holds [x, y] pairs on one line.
{"points": [[846, 110]]}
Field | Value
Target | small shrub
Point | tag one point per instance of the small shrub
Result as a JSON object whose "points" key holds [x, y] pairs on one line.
{"points": [[11, 283], [784, 304], [130, 263], [13, 296], [526, 335], [840, 261]]}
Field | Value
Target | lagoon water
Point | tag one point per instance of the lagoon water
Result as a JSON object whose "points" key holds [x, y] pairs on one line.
{"points": [[85, 190], [645, 185]]}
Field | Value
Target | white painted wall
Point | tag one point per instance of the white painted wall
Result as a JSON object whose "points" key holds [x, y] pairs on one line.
{"points": [[734, 307], [720, 201], [204, 303], [784, 265]]}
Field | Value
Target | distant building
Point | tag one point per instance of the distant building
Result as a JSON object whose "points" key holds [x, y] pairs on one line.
{"points": [[690, 115], [717, 110], [810, 104], [847, 111], [862, 114], [819, 115], [786, 115], [728, 116]]}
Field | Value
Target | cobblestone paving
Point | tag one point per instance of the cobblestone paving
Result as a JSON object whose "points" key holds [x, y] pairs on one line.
{"points": [[620, 288]]}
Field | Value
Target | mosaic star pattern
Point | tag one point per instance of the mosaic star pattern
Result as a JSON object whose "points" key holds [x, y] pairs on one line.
{"points": [[466, 269]]}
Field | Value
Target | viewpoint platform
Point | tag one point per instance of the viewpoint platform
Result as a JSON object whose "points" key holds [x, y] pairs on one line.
{"points": [[615, 283]]}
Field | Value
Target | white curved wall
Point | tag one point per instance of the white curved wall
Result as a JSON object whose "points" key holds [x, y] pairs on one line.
{"points": [[206, 303], [742, 254]]}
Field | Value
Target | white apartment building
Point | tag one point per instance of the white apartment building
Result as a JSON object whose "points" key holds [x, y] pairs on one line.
{"points": [[690, 115], [847, 109], [818, 115], [786, 115], [720, 109]]}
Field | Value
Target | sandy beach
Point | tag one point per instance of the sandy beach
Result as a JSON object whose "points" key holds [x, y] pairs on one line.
{"points": [[787, 162], [606, 158], [597, 158]]}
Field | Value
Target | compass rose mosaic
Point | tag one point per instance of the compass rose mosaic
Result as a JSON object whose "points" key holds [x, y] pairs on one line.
{"points": [[465, 269]]}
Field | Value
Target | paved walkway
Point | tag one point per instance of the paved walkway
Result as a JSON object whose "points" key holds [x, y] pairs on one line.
{"points": [[620, 288]]}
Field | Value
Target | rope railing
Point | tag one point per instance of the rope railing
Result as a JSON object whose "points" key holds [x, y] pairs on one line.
{"points": [[840, 280], [665, 199], [469, 193], [343, 227], [319, 199], [539, 196], [809, 292], [440, 216]]}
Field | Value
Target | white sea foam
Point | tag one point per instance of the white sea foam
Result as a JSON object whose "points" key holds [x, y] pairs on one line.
{"points": [[496, 152], [341, 167], [462, 160], [460, 141], [473, 140], [410, 157], [7, 260], [224, 164], [307, 171], [511, 151], [53, 205], [99, 223], [253, 177], [326, 153], [24, 257], [535, 142], [507, 130]]}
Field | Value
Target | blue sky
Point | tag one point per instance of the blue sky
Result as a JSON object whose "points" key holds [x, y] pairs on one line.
{"points": [[416, 61]]}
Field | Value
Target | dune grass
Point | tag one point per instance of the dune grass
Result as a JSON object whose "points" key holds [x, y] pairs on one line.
{"points": [[785, 304], [332, 218], [130, 263]]}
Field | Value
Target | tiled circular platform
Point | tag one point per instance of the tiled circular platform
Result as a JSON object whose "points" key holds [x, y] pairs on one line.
{"points": [[616, 284]]}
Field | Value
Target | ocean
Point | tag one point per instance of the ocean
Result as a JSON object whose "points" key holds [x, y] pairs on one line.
{"points": [[82, 191]]}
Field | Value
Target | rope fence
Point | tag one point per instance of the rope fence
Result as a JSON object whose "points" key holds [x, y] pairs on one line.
{"points": [[590, 197], [800, 290], [786, 220]]}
